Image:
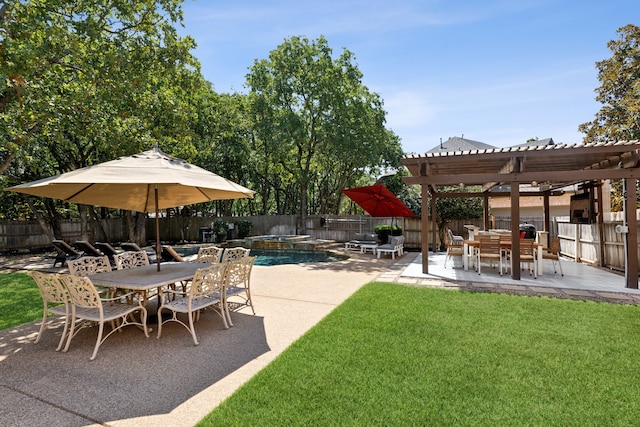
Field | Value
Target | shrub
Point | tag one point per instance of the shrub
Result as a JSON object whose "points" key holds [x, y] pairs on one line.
{"points": [[220, 229], [384, 231], [244, 228]]}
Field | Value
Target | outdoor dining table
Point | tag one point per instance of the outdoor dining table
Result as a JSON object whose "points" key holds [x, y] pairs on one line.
{"points": [[147, 277], [471, 245]]}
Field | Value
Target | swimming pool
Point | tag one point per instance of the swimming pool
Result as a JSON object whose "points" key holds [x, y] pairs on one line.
{"points": [[269, 257]]}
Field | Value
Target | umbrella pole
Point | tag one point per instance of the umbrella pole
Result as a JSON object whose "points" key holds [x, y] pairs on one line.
{"points": [[158, 246]]}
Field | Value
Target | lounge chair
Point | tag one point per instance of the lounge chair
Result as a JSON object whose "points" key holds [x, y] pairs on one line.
{"points": [[87, 248], [130, 247], [170, 254], [108, 250], [65, 252], [395, 246]]}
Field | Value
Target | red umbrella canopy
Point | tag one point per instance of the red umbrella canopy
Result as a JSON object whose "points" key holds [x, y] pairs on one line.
{"points": [[378, 201]]}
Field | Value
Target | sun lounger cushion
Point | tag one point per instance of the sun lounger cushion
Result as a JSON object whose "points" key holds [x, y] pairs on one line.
{"points": [[361, 239]]}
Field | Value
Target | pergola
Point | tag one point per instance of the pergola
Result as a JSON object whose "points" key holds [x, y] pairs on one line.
{"points": [[553, 167]]}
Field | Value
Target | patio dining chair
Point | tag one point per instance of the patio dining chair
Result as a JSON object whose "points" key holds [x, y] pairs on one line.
{"points": [[53, 292], [238, 286], [528, 256], [489, 251], [455, 246], [88, 306], [131, 259], [209, 254], [233, 254], [553, 254], [89, 265], [207, 290]]}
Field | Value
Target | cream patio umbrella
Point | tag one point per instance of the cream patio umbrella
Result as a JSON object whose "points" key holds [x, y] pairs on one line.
{"points": [[144, 182]]}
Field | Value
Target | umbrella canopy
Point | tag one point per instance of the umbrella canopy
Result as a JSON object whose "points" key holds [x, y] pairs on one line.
{"points": [[144, 182], [130, 182], [378, 201]]}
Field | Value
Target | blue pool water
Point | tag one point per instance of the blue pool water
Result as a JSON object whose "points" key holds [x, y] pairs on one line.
{"points": [[268, 257]]}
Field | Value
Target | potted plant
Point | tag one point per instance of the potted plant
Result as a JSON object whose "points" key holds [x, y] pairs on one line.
{"points": [[384, 231]]}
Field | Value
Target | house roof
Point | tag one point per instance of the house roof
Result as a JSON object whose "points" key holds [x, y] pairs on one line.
{"points": [[456, 143]]}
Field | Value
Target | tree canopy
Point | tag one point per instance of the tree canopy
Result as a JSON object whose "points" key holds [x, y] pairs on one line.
{"points": [[619, 92], [318, 128], [85, 82]]}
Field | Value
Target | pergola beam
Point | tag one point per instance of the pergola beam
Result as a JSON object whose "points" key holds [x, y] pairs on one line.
{"points": [[524, 177]]}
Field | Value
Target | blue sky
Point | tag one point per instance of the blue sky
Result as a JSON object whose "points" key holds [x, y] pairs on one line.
{"points": [[495, 71]]}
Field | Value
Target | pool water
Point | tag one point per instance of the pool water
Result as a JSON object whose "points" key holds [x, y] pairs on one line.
{"points": [[269, 257]]}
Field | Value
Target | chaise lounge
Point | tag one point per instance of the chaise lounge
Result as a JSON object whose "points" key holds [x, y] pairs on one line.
{"points": [[395, 246], [87, 248], [108, 250], [65, 252]]}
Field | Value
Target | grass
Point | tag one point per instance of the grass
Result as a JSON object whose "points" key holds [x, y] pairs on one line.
{"points": [[20, 300], [400, 355]]}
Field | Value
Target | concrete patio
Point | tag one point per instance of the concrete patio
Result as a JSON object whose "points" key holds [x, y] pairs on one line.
{"points": [[580, 281]]}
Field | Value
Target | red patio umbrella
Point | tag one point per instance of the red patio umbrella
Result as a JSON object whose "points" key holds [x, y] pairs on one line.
{"points": [[378, 201]]}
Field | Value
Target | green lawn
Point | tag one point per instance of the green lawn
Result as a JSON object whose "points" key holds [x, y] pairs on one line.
{"points": [[400, 355], [20, 300]]}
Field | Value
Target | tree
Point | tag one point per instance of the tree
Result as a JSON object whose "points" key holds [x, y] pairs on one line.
{"points": [[619, 92], [85, 81], [224, 144], [449, 208], [89, 70], [316, 123]]}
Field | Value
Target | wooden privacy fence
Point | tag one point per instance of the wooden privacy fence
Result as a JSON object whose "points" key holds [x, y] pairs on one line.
{"points": [[27, 235], [578, 241], [582, 243]]}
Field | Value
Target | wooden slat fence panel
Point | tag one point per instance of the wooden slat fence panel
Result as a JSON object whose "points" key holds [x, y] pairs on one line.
{"points": [[27, 235]]}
